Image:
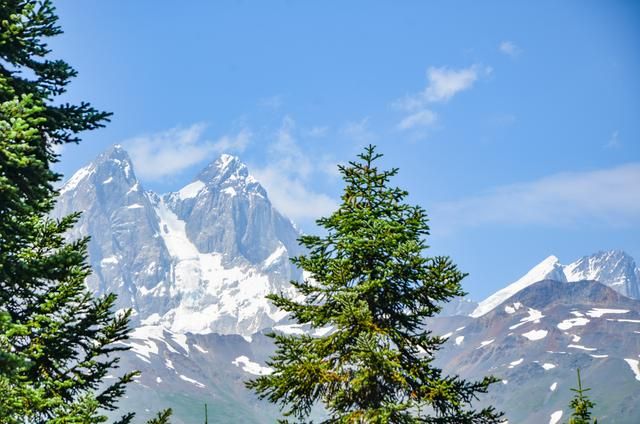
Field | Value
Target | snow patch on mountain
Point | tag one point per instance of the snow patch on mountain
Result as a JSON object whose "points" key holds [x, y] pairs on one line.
{"points": [[634, 364], [251, 367], [192, 381], [191, 190], [534, 335], [534, 316], [555, 417], [486, 343], [572, 322], [582, 347], [76, 178], [598, 312]]}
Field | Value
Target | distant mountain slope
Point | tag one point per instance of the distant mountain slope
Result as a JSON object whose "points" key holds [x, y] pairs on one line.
{"points": [[537, 338], [533, 342]]}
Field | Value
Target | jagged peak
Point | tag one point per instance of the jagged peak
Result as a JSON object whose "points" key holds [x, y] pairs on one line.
{"points": [[595, 262], [115, 157], [223, 168], [228, 173]]}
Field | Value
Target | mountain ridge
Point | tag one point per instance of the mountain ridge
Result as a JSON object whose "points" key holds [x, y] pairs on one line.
{"points": [[201, 259], [613, 268]]}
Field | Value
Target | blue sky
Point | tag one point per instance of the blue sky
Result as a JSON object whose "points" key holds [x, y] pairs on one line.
{"points": [[514, 124]]}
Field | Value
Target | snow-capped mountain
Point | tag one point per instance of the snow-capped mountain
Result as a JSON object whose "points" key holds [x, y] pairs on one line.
{"points": [[196, 264], [533, 342], [198, 260], [613, 268]]}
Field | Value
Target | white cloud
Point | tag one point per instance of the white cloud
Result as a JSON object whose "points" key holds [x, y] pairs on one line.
{"points": [[509, 48], [421, 118], [608, 197], [288, 174], [359, 131], [291, 195], [443, 84], [168, 152]]}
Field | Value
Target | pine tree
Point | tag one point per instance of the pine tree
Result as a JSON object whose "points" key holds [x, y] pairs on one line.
{"points": [[581, 405], [372, 285], [161, 418], [57, 342]]}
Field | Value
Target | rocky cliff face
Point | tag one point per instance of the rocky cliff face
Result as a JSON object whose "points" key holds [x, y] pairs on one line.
{"points": [[199, 260], [613, 268]]}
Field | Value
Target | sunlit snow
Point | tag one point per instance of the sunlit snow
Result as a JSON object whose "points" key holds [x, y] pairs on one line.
{"points": [[486, 342], [250, 366], [598, 312], [582, 347], [572, 322], [555, 417], [192, 381], [534, 316], [191, 190], [543, 270], [535, 334], [515, 363], [240, 291], [76, 178], [634, 365]]}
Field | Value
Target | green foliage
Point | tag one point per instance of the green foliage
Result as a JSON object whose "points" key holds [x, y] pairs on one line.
{"points": [[57, 342], [161, 418], [581, 405], [372, 285]]}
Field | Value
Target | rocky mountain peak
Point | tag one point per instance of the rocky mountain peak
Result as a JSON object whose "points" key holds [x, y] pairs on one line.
{"points": [[116, 159], [613, 268], [227, 174], [199, 260]]}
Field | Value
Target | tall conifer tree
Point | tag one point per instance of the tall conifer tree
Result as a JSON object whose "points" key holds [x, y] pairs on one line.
{"points": [[370, 284], [56, 339]]}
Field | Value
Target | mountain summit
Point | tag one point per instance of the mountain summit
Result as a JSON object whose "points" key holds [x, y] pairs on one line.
{"points": [[198, 260], [613, 268]]}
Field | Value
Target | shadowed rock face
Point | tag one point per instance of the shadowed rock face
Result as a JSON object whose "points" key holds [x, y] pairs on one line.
{"points": [[200, 259]]}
